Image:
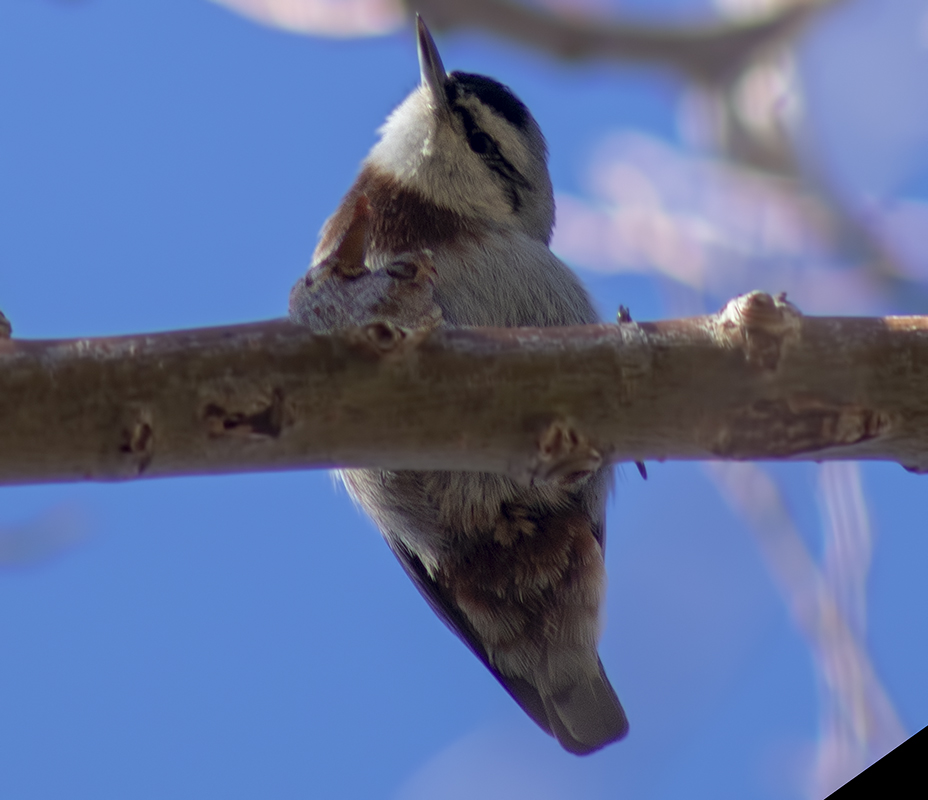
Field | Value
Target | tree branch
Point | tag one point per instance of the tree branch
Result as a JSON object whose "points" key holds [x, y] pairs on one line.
{"points": [[755, 381], [709, 52]]}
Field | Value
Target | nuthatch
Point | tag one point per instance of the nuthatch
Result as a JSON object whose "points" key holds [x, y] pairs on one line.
{"points": [[460, 177]]}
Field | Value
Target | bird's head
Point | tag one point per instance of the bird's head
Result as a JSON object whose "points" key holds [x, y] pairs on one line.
{"points": [[468, 144]]}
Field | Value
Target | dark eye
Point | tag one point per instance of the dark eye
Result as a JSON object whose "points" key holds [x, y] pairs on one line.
{"points": [[480, 143], [402, 270]]}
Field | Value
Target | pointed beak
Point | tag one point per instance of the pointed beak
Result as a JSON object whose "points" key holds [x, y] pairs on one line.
{"points": [[430, 66]]}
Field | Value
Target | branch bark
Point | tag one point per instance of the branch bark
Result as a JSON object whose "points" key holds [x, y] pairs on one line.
{"points": [[756, 381], [709, 52]]}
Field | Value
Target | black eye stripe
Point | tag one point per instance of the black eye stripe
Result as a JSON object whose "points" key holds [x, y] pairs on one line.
{"points": [[470, 124], [480, 143], [488, 149]]}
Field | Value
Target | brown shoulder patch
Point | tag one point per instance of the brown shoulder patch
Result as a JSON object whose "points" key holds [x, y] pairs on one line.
{"points": [[401, 219]]}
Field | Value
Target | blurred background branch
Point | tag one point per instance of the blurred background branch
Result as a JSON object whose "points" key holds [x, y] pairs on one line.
{"points": [[857, 719], [46, 536], [745, 101]]}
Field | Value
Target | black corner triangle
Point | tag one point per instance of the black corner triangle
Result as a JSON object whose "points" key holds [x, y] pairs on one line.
{"points": [[902, 773]]}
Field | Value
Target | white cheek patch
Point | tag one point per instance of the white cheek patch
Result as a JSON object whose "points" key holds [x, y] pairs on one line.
{"points": [[402, 148], [423, 151]]}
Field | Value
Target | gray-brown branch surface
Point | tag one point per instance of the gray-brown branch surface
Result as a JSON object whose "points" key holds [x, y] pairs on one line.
{"points": [[758, 380]]}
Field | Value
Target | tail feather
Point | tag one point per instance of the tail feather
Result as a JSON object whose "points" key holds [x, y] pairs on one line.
{"points": [[586, 715]]}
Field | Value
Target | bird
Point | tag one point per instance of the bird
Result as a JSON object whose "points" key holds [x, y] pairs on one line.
{"points": [[459, 176]]}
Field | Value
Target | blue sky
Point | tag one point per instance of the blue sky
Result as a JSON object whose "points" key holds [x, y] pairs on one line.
{"points": [[166, 164]]}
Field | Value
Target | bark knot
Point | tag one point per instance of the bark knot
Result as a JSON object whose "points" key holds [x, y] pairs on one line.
{"points": [[357, 286], [762, 325], [137, 442], [262, 417], [797, 425], [565, 454]]}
